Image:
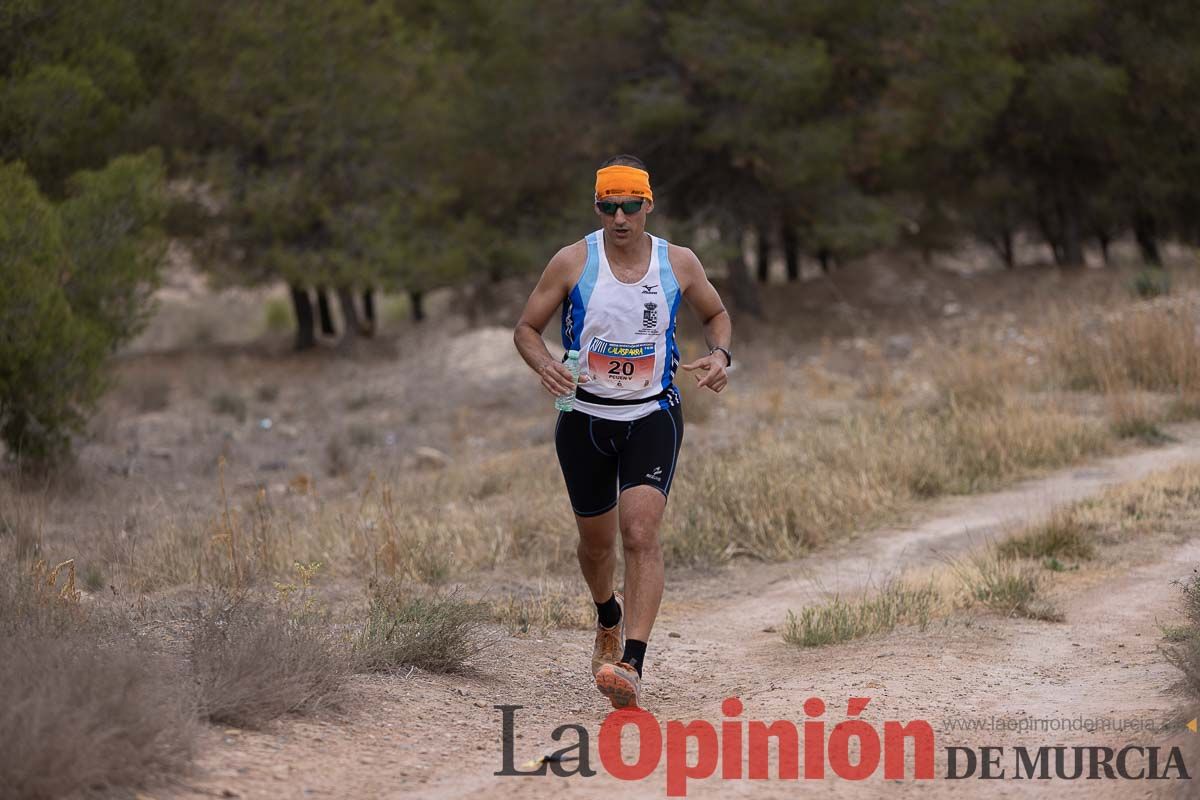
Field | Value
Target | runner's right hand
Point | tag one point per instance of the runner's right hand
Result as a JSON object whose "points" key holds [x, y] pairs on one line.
{"points": [[557, 380]]}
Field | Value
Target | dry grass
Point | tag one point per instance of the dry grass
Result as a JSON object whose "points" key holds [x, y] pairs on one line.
{"points": [[22, 519], [820, 483], [405, 628], [1151, 346], [84, 705], [544, 608], [961, 416]]}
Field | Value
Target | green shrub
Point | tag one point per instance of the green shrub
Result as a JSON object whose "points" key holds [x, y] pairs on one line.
{"points": [[76, 285], [278, 315], [1151, 282]]}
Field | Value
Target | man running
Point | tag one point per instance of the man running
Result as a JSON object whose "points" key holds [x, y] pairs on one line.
{"points": [[619, 289]]}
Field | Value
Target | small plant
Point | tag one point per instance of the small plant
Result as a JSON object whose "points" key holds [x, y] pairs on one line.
{"points": [[1063, 535], [93, 577], [152, 394], [1175, 634], [267, 393], [1150, 282], [438, 632], [361, 435], [1140, 428], [337, 457], [229, 404], [1005, 586], [839, 620], [278, 315], [360, 401]]}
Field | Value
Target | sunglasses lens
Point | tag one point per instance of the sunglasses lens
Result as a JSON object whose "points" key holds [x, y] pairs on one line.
{"points": [[632, 207], [607, 208]]}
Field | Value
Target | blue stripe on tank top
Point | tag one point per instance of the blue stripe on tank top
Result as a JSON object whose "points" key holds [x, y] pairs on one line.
{"points": [[671, 292], [575, 307]]}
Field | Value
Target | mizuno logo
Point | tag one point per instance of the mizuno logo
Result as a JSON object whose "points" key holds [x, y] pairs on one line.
{"points": [[656, 475], [648, 288]]}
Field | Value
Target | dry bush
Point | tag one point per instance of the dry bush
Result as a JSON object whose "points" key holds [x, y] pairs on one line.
{"points": [[84, 705], [404, 628], [256, 660], [1183, 642]]}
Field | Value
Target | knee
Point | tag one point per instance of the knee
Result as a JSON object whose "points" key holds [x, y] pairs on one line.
{"points": [[637, 537], [594, 551]]}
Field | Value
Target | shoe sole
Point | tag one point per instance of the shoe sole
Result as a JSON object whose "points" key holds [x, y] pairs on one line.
{"points": [[620, 692]]}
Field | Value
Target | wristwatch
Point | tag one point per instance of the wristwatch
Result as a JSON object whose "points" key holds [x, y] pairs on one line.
{"points": [[728, 355]]}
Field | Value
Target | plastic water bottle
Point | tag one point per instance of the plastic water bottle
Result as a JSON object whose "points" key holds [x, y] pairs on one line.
{"points": [[566, 402]]}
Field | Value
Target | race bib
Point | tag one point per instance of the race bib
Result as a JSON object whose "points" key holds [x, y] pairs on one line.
{"points": [[622, 366]]}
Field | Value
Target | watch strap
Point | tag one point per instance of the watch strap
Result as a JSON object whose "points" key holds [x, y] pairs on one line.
{"points": [[728, 355]]}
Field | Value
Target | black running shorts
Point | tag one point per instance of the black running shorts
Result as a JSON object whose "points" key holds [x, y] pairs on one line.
{"points": [[601, 458]]}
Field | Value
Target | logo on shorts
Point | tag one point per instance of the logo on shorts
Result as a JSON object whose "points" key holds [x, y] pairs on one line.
{"points": [[650, 316], [656, 475]]}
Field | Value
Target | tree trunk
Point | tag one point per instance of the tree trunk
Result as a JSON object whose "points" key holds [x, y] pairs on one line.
{"points": [[324, 312], [302, 305], [1105, 240], [1145, 230], [368, 298], [825, 256], [791, 252], [1043, 223], [349, 313], [745, 292], [1004, 245], [1072, 238], [417, 301], [763, 254]]}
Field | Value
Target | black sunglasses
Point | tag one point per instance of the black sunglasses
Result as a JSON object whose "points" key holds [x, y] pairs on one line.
{"points": [[609, 208]]}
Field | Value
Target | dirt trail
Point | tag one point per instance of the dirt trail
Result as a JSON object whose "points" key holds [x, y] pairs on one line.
{"points": [[439, 736]]}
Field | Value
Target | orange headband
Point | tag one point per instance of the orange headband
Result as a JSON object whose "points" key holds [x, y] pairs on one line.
{"points": [[617, 181]]}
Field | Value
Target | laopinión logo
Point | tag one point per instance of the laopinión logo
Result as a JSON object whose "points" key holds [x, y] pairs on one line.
{"points": [[724, 751]]}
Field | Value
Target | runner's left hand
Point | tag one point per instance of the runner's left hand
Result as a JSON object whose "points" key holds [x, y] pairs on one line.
{"points": [[713, 365]]}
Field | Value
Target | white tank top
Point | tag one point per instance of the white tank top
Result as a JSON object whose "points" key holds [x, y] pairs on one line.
{"points": [[625, 333]]}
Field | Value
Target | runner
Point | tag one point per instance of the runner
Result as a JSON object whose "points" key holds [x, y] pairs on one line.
{"points": [[619, 289]]}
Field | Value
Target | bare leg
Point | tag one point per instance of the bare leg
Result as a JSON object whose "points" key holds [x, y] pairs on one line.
{"points": [[597, 552], [641, 514]]}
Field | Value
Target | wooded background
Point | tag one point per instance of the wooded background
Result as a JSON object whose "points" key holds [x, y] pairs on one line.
{"points": [[344, 146]]}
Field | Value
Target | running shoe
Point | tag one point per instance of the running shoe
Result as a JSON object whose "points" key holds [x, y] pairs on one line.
{"points": [[610, 642], [620, 683]]}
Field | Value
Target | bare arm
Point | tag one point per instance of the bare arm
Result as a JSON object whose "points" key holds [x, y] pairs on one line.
{"points": [[552, 288], [718, 328]]}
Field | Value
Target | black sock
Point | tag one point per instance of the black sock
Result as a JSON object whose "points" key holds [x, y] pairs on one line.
{"points": [[610, 612], [635, 654]]}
